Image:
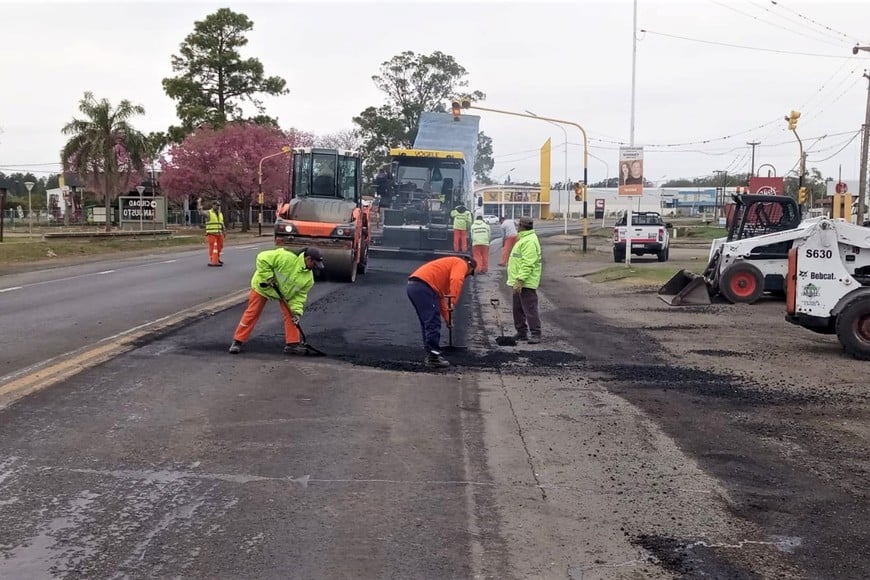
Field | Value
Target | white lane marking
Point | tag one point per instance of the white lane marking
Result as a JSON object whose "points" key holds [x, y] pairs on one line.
{"points": [[2, 290], [244, 247], [104, 272], [168, 261]]}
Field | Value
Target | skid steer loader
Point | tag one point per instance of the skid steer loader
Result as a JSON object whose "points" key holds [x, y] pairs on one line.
{"points": [[828, 283], [750, 260]]}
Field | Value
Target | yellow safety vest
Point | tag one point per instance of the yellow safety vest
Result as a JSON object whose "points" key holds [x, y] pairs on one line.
{"points": [[215, 223]]}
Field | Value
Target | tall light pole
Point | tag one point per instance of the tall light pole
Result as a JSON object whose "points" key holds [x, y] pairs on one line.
{"points": [[29, 185], [565, 131], [466, 104], [141, 190], [628, 228], [260, 197], [753, 144], [724, 184], [862, 186]]}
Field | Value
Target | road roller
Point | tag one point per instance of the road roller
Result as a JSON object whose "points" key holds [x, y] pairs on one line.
{"points": [[327, 210]]}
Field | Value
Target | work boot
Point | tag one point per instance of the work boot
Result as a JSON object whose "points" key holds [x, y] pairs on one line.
{"points": [[236, 347], [521, 336], [435, 360], [535, 339], [295, 348]]}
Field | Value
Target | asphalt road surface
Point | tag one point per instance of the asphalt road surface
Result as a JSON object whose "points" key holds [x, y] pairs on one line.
{"points": [[180, 459]]}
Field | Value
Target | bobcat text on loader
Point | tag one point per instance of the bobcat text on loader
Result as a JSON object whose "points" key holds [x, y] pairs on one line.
{"points": [[412, 213], [326, 210], [751, 260], [829, 283]]}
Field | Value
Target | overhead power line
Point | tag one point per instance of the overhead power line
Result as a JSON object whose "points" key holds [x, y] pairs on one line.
{"points": [[828, 28], [792, 20], [775, 24], [744, 47]]}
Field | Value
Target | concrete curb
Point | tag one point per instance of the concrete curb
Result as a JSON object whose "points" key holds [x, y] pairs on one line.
{"points": [[42, 375]]}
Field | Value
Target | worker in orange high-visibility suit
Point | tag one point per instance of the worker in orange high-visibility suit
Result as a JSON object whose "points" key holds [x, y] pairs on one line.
{"points": [[284, 276], [428, 289], [508, 239], [214, 233]]}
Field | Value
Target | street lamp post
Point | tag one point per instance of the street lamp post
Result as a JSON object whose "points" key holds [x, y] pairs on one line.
{"points": [[140, 189], [466, 104], [29, 185], [260, 196], [724, 184], [2, 210], [565, 131]]}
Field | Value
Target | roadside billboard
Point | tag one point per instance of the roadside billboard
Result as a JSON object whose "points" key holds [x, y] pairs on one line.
{"points": [[631, 171], [766, 185], [599, 208]]}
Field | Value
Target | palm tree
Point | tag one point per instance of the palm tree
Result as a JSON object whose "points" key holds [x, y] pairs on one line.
{"points": [[105, 150]]}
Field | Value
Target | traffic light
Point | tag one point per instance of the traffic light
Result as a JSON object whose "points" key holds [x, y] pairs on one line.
{"points": [[802, 196], [457, 109], [792, 119]]}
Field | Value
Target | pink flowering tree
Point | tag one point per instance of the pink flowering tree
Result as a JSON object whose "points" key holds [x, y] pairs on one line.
{"points": [[222, 164]]}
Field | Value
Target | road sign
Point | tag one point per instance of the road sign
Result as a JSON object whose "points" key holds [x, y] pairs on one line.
{"points": [[842, 187]]}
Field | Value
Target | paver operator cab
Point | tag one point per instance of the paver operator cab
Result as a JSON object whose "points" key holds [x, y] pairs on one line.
{"points": [[326, 210], [415, 198]]}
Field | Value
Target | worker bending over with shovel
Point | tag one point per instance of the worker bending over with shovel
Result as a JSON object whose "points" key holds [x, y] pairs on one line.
{"points": [[429, 286], [284, 276]]}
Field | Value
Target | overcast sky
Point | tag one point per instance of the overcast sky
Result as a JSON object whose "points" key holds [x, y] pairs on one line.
{"points": [[568, 60]]}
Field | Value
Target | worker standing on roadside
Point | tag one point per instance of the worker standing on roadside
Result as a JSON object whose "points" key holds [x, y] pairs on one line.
{"points": [[524, 276], [284, 276], [480, 232], [508, 239], [461, 224], [428, 289], [214, 234]]}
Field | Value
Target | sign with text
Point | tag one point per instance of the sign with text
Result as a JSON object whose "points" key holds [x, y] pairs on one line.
{"points": [[599, 208], [148, 208], [766, 185], [631, 171]]}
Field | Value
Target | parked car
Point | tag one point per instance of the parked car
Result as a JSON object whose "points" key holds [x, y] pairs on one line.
{"points": [[649, 236], [491, 219]]}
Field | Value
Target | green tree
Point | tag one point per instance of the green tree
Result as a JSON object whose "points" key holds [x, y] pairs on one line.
{"points": [[483, 161], [104, 149], [413, 84], [213, 79]]}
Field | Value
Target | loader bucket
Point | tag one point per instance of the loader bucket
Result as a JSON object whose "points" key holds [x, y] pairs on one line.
{"points": [[685, 289]]}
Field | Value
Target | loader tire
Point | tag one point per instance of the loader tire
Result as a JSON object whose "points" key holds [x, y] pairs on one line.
{"points": [[742, 284], [853, 328]]}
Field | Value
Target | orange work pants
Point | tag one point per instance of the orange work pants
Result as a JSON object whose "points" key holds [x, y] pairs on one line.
{"points": [[215, 247], [507, 246], [460, 240], [481, 256], [256, 302]]}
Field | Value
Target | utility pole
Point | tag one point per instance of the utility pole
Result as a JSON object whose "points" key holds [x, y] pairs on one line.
{"points": [[754, 144], [862, 186]]}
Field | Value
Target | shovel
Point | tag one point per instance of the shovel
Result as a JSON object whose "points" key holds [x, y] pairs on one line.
{"points": [[501, 340], [303, 341], [450, 346]]}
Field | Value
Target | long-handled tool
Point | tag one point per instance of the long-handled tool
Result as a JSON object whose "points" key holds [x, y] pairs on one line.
{"points": [[450, 346], [312, 351], [501, 340]]}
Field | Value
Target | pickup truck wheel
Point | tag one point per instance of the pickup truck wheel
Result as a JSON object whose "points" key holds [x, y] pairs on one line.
{"points": [[853, 328], [742, 284], [618, 256], [663, 255]]}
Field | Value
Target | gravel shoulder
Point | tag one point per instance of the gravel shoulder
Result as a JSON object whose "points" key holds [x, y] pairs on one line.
{"points": [[711, 441]]}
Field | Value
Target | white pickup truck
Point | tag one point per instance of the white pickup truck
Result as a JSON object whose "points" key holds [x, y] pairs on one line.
{"points": [[649, 235]]}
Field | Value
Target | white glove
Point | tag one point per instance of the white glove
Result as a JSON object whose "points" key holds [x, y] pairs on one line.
{"points": [[295, 318]]}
